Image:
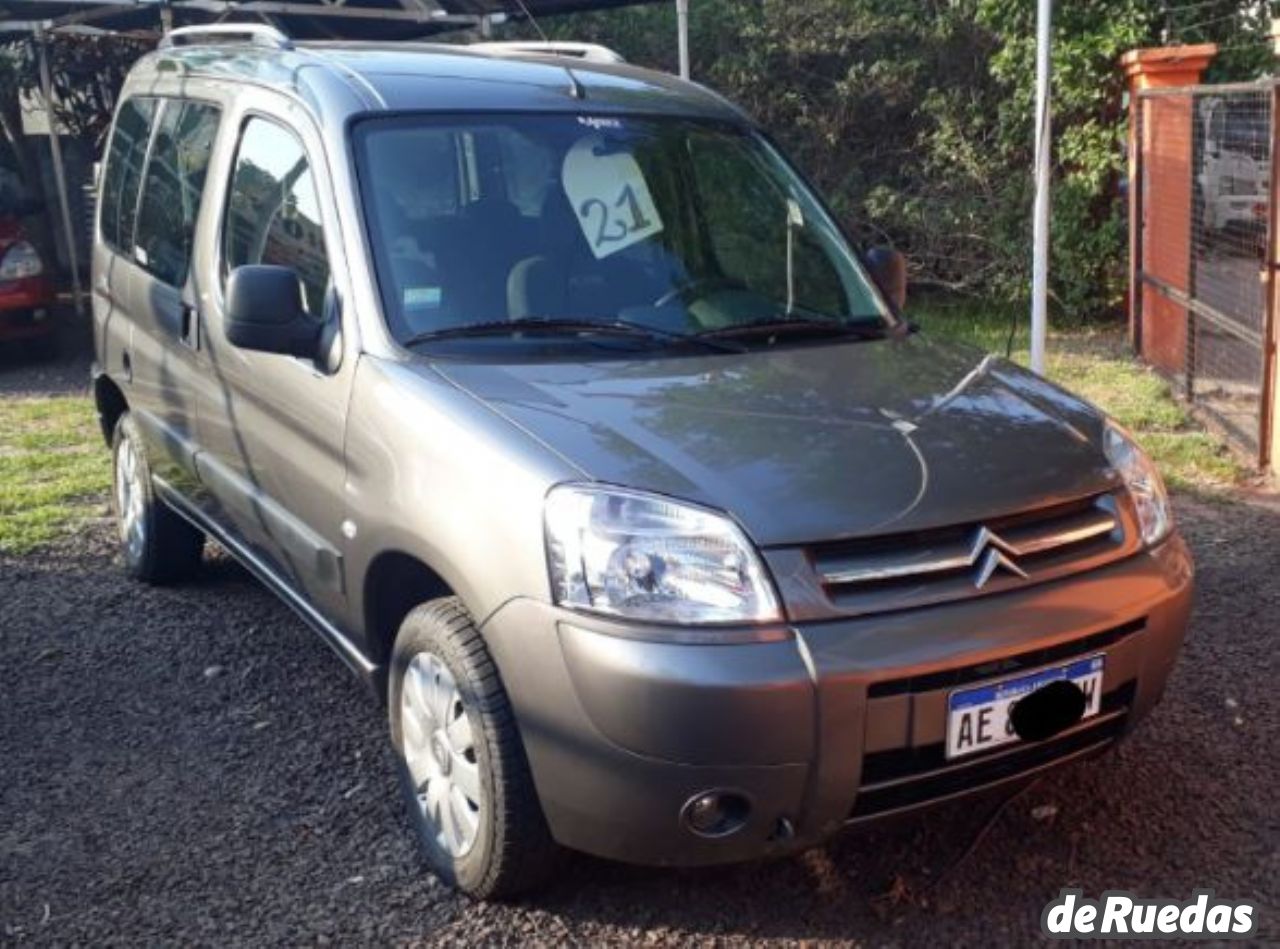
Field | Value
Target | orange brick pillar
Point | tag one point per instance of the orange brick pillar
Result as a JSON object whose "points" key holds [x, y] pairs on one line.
{"points": [[1160, 193]]}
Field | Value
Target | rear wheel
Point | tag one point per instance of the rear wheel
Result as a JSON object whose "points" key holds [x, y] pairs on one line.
{"points": [[159, 546], [462, 765]]}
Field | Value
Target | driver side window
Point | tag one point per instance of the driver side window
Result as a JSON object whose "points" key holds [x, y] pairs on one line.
{"points": [[757, 239], [273, 212]]}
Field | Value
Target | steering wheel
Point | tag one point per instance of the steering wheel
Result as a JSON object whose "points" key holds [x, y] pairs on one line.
{"points": [[698, 287]]}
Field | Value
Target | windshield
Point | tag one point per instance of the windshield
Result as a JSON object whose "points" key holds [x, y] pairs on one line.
{"points": [[682, 226]]}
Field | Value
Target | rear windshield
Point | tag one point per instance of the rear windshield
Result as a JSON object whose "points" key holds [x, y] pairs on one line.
{"points": [[683, 225]]}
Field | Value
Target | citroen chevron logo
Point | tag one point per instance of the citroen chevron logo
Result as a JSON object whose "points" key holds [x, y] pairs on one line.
{"points": [[991, 553]]}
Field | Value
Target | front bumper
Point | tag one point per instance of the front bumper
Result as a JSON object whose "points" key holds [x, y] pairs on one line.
{"points": [[26, 308], [828, 724]]}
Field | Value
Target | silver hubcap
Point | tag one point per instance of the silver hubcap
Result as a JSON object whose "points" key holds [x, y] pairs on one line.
{"points": [[129, 499], [440, 753]]}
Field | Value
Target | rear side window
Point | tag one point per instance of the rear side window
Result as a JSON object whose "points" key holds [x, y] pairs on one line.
{"points": [[172, 186], [273, 213], [120, 181]]}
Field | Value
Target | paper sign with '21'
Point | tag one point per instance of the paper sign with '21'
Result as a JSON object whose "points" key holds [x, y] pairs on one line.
{"points": [[609, 196]]}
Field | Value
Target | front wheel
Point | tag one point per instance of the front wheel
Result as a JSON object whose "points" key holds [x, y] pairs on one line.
{"points": [[158, 545], [462, 765]]}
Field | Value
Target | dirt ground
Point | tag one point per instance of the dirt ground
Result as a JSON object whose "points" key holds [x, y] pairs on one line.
{"points": [[192, 766]]}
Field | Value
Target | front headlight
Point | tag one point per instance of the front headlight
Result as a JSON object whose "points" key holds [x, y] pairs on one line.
{"points": [[646, 557], [1143, 481], [20, 260]]}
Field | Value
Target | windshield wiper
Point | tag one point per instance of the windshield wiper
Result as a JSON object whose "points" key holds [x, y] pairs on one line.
{"points": [[798, 326], [565, 326]]}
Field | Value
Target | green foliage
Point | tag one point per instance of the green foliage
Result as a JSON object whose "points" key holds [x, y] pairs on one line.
{"points": [[914, 117], [86, 71]]}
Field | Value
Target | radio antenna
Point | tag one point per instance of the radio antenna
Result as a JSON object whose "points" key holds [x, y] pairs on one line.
{"points": [[575, 87], [529, 16]]}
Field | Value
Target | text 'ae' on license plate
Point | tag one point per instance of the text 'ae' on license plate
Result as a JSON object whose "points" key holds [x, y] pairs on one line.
{"points": [[978, 718]]}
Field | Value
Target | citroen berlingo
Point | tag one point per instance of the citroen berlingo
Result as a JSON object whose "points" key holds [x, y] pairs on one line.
{"points": [[551, 396]]}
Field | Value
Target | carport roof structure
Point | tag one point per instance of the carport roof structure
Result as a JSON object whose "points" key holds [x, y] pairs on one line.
{"points": [[301, 19]]}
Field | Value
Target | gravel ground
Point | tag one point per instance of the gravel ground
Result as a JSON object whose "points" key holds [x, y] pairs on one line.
{"points": [[192, 766], [22, 374]]}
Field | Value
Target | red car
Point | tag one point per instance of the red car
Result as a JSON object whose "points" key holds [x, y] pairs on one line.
{"points": [[26, 290]]}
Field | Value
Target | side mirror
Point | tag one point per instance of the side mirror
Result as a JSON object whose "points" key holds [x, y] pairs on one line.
{"points": [[889, 270], [265, 312]]}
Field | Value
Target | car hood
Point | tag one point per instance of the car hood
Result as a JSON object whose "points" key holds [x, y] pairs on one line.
{"points": [[812, 443]]}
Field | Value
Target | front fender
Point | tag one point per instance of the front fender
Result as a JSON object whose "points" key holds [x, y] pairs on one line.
{"points": [[435, 474]]}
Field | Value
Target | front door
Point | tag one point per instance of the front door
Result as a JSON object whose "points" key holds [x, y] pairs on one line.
{"points": [[272, 427]]}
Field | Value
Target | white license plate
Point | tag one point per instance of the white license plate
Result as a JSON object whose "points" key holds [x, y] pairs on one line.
{"points": [[978, 718]]}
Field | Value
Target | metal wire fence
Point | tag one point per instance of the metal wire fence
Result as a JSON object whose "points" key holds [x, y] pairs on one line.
{"points": [[1203, 217]]}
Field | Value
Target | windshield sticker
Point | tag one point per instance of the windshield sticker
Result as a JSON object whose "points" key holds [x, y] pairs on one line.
{"points": [[609, 196], [422, 296]]}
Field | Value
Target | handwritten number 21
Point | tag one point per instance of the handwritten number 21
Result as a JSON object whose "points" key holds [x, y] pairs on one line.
{"points": [[612, 227]]}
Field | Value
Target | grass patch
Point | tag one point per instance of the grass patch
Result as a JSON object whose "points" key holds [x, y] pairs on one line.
{"points": [[54, 470], [1097, 364]]}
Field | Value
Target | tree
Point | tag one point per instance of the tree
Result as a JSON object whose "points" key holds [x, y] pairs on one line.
{"points": [[86, 72]]}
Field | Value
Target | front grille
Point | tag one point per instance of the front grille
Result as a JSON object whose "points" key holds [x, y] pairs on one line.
{"points": [[899, 571], [909, 777], [1032, 659]]}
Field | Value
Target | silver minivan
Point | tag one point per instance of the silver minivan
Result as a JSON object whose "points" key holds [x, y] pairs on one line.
{"points": [[552, 397]]}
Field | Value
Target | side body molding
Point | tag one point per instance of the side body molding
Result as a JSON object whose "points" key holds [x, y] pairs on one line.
{"points": [[308, 551]]}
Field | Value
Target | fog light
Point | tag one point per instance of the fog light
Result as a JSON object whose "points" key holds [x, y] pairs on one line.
{"points": [[705, 813], [715, 813]]}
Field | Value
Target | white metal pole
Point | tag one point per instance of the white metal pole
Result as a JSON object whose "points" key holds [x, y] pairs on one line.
{"points": [[1040, 223], [59, 175], [682, 35]]}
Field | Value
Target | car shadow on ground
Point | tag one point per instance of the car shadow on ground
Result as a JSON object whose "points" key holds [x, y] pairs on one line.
{"points": [[192, 765]]}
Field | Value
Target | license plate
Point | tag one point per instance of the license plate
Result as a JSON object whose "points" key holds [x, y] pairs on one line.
{"points": [[978, 718]]}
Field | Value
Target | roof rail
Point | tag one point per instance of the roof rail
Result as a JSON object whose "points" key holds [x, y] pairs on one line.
{"points": [[590, 52], [254, 34]]}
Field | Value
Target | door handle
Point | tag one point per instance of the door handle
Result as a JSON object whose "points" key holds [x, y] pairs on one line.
{"points": [[189, 326]]}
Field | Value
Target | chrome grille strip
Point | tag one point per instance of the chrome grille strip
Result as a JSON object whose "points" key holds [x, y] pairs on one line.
{"points": [[892, 565], [1017, 541], [1086, 527]]}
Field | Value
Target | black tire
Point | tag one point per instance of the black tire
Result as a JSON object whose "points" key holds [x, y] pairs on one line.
{"points": [[513, 851], [170, 548]]}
